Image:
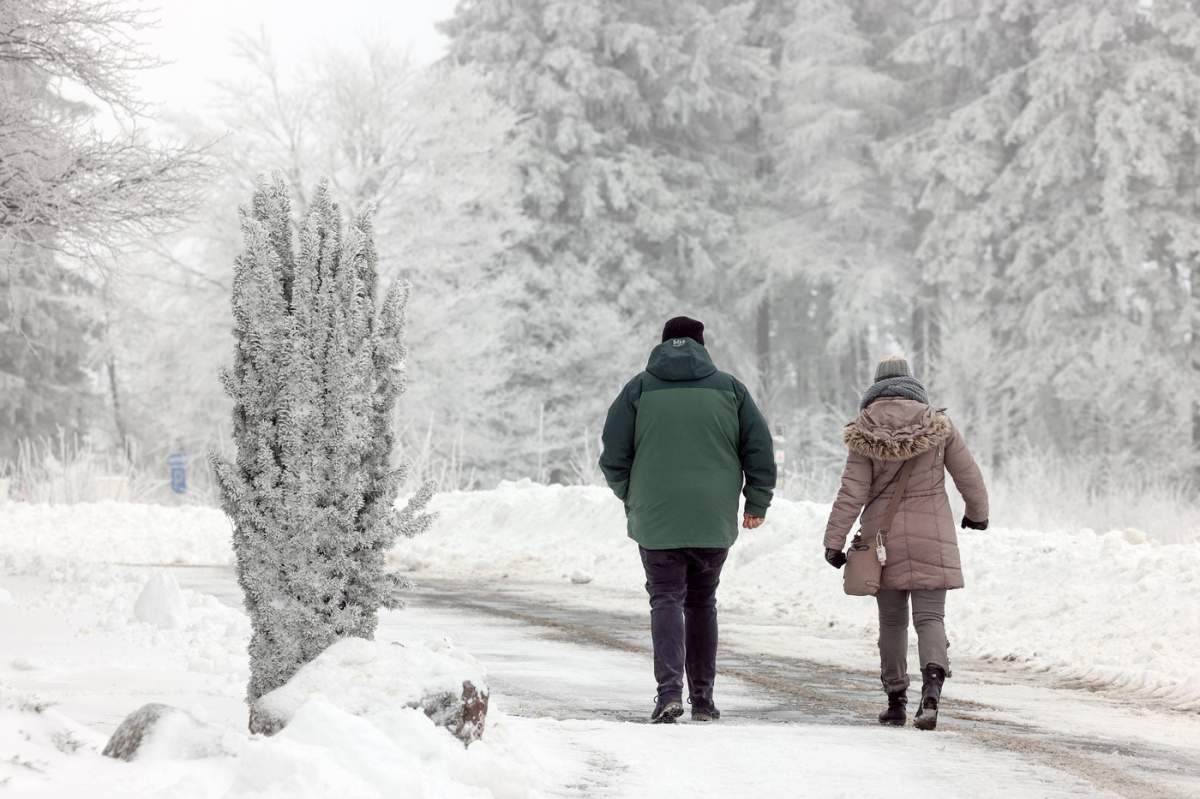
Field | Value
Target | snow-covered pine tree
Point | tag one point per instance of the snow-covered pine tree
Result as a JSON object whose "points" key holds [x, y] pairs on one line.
{"points": [[950, 56], [317, 370], [1059, 192], [631, 111], [825, 231]]}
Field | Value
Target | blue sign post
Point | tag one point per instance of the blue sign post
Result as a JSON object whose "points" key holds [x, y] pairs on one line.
{"points": [[177, 461]]}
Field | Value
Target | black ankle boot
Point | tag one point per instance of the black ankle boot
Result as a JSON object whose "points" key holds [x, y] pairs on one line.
{"points": [[895, 714], [666, 710], [931, 693], [703, 709]]}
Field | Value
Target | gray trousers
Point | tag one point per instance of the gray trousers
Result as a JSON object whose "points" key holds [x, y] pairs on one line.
{"points": [[928, 614]]}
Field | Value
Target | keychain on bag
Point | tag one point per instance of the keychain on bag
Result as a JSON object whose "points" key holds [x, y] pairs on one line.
{"points": [[881, 549]]}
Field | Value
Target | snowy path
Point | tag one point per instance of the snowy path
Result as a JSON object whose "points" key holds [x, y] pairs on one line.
{"points": [[790, 723]]}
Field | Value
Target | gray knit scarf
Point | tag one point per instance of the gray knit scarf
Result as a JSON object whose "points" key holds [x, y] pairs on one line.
{"points": [[905, 387]]}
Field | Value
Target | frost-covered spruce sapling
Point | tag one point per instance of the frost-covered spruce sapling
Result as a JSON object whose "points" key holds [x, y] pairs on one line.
{"points": [[318, 366]]}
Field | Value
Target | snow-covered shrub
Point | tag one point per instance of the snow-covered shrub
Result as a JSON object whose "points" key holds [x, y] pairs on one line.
{"points": [[318, 367]]}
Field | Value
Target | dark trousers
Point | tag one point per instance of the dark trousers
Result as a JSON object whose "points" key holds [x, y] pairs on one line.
{"points": [[682, 584]]}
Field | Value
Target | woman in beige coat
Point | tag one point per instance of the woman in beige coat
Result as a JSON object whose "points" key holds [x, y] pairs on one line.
{"points": [[897, 424]]}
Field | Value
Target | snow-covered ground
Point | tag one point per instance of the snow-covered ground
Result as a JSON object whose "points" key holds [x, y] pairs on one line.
{"points": [[1073, 732], [79, 660], [86, 637], [1110, 610]]}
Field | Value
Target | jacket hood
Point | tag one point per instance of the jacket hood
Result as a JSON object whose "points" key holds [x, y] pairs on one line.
{"points": [[680, 359], [895, 429]]}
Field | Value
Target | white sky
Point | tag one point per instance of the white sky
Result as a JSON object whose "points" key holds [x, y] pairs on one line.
{"points": [[194, 35]]}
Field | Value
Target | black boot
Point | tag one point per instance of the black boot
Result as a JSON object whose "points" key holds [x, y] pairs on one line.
{"points": [[895, 715], [931, 693], [666, 710], [704, 709]]}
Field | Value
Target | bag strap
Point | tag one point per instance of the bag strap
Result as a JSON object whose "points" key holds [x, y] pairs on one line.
{"points": [[894, 504], [882, 491]]}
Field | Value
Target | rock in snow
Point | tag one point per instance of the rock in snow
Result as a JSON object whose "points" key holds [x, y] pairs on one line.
{"points": [[361, 677], [157, 729], [462, 713], [161, 603]]}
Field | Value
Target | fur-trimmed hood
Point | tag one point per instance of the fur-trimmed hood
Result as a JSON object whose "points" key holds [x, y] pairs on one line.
{"points": [[895, 429]]}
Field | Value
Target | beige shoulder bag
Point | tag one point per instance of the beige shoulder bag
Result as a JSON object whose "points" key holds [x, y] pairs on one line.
{"points": [[865, 559]]}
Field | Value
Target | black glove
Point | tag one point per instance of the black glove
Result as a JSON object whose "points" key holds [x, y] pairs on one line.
{"points": [[835, 558], [974, 525]]}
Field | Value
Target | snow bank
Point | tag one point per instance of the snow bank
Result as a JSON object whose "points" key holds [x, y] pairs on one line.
{"points": [[358, 676], [392, 751], [1111, 610], [346, 738], [176, 629], [324, 751], [116, 532], [36, 738], [355, 728]]}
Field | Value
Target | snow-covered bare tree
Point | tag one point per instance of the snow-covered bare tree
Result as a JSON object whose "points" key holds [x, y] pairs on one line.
{"points": [[433, 153], [318, 366], [69, 191]]}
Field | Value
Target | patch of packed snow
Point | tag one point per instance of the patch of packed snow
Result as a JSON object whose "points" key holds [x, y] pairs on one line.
{"points": [[784, 760], [161, 603]]}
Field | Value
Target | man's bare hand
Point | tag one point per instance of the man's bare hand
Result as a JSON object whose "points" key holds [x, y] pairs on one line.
{"points": [[752, 522]]}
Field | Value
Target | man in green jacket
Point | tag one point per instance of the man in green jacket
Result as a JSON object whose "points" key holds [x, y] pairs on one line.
{"points": [[681, 441]]}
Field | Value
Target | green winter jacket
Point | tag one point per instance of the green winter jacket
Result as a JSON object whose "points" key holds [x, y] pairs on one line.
{"points": [[677, 442]]}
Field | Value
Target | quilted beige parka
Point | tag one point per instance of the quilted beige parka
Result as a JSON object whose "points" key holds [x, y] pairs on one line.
{"points": [[922, 547]]}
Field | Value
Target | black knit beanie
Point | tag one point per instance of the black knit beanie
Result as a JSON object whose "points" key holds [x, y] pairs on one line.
{"points": [[683, 327]]}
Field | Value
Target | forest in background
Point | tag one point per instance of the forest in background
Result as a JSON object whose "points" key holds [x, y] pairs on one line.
{"points": [[1007, 191]]}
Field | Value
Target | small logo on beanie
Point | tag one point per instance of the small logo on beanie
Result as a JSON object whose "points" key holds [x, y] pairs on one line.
{"points": [[678, 342]]}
